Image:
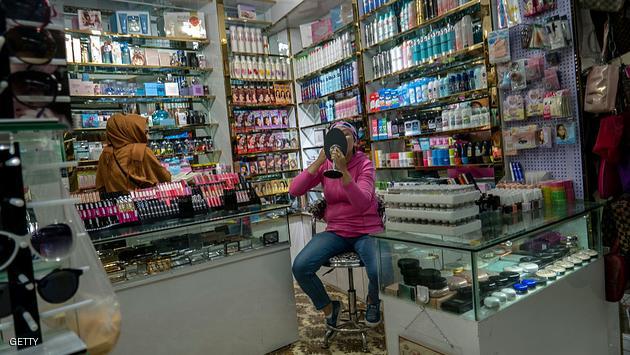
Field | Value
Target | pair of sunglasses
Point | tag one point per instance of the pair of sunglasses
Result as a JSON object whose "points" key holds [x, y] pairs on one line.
{"points": [[31, 45], [56, 287], [51, 243], [28, 10]]}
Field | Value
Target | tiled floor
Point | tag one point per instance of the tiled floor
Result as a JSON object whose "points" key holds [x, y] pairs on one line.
{"points": [[312, 329]]}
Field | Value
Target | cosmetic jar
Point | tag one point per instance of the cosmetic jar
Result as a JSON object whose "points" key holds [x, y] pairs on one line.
{"points": [[514, 269], [509, 293], [492, 302], [500, 295], [528, 259], [500, 281], [547, 274], [437, 293], [559, 270], [464, 292], [540, 281], [546, 259], [456, 282], [574, 260], [590, 252], [455, 268], [530, 283], [408, 263], [429, 274], [529, 268], [582, 256], [520, 288], [437, 283], [487, 286], [565, 264], [513, 277]]}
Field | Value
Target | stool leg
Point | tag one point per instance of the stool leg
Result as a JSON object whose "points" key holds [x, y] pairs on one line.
{"points": [[352, 297], [330, 334], [364, 342]]}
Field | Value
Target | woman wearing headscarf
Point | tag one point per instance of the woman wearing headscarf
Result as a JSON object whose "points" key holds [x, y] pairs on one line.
{"points": [[127, 163], [351, 217]]}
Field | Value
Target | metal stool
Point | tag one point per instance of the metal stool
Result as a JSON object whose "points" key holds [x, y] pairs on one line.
{"points": [[351, 324]]}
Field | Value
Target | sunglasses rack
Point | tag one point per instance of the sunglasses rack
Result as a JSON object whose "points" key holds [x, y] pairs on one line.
{"points": [[13, 220]]}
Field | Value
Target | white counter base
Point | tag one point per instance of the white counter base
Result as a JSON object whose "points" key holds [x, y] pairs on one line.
{"points": [[571, 316], [243, 304]]}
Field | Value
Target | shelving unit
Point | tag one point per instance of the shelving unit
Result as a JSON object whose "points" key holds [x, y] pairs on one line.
{"points": [[243, 71], [117, 83], [428, 112], [344, 41]]}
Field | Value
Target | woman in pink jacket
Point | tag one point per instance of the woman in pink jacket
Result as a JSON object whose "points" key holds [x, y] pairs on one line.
{"points": [[351, 216]]}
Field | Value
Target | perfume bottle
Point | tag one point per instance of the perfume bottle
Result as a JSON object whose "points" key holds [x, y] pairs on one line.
{"points": [[159, 114]]}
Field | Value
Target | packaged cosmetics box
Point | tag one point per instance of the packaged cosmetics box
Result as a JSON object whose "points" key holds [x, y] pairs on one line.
{"points": [[246, 12], [131, 22], [306, 34], [340, 16], [185, 24], [321, 29]]}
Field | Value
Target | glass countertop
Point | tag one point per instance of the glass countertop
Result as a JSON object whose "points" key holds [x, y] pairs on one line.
{"points": [[113, 234], [498, 228]]}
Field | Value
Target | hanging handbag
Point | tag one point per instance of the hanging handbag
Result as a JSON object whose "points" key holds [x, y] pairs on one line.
{"points": [[602, 5], [601, 83]]}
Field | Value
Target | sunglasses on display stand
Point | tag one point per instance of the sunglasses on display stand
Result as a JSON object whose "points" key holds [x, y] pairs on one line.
{"points": [[19, 252]]}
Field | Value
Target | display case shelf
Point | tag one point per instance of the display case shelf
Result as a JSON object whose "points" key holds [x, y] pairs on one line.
{"points": [[247, 22], [246, 131], [432, 66], [35, 124], [377, 10], [499, 230], [256, 106], [161, 68], [264, 55], [350, 119], [162, 229], [438, 167], [137, 36], [451, 99], [113, 99], [326, 68], [332, 94], [257, 176], [334, 35], [424, 24], [433, 134], [262, 80], [265, 153]]}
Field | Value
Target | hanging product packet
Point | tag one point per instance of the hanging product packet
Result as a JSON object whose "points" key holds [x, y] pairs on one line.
{"points": [[499, 46], [513, 108], [534, 103], [518, 75]]}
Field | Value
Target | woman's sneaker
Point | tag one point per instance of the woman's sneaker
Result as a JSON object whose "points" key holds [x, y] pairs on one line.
{"points": [[331, 320], [373, 315]]}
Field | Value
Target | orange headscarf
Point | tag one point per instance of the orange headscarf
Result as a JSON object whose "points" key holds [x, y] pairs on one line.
{"points": [[127, 163]]}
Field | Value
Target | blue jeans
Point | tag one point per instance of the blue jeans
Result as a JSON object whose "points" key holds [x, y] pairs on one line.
{"points": [[322, 247]]}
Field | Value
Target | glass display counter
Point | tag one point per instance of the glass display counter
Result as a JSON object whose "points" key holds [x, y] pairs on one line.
{"points": [[526, 275], [478, 274], [141, 251]]}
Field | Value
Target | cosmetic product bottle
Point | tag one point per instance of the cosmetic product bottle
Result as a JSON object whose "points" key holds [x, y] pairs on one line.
{"points": [[233, 39]]}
